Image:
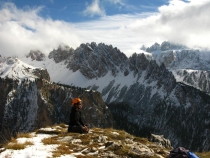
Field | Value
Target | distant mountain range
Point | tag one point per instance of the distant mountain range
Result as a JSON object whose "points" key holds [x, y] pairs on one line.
{"points": [[190, 66], [162, 90]]}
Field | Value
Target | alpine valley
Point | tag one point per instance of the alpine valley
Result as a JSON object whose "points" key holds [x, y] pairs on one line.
{"points": [[162, 90]]}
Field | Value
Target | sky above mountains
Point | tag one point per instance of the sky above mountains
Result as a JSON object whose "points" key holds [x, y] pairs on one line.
{"points": [[126, 24]]}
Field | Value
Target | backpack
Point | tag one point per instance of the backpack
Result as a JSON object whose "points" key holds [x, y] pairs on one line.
{"points": [[181, 152], [192, 155]]}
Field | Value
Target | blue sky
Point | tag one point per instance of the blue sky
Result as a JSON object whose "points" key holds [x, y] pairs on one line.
{"points": [[126, 24], [80, 10]]}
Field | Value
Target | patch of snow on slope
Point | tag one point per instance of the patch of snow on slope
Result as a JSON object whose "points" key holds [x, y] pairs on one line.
{"points": [[60, 74], [16, 69], [58, 71], [180, 74], [10, 97], [173, 97]]}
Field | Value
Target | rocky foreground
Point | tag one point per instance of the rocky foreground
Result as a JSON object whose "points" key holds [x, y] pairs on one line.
{"points": [[56, 142]]}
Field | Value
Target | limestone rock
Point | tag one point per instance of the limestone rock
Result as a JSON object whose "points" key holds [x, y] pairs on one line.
{"points": [[36, 55], [160, 140]]}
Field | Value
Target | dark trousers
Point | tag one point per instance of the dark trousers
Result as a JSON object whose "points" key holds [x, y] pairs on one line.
{"points": [[77, 129]]}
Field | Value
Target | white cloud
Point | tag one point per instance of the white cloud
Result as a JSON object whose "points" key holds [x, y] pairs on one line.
{"points": [[187, 23], [182, 22], [116, 2], [94, 9], [23, 30]]}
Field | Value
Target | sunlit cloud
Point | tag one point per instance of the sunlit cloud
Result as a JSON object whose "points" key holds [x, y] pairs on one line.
{"points": [[187, 22], [94, 9], [23, 30], [181, 22]]}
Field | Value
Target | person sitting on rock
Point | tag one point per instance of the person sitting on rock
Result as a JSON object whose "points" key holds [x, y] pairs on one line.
{"points": [[76, 124]]}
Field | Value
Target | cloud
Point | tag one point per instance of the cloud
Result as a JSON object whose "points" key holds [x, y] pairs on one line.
{"points": [[116, 2], [181, 22], [23, 30], [94, 9], [187, 23], [51, 1]]}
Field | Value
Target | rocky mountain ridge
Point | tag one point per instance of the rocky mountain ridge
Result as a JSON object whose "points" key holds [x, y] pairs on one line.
{"points": [[190, 66], [142, 93]]}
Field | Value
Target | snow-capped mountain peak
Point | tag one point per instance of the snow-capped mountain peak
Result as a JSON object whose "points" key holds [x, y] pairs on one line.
{"points": [[14, 68]]}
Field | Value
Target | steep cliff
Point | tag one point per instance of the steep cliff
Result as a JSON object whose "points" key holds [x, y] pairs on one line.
{"points": [[30, 100], [32, 105]]}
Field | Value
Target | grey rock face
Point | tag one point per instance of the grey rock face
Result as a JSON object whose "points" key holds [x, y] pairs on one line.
{"points": [[198, 79], [61, 54], [36, 55], [188, 66], [164, 47], [94, 61], [160, 140], [155, 47]]}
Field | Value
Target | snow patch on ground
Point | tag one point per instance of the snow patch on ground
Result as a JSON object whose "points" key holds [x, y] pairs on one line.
{"points": [[37, 150]]}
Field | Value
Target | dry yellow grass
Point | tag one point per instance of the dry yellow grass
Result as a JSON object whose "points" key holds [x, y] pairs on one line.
{"points": [[141, 140], [203, 154], [61, 150], [28, 143], [86, 156], [17, 146], [50, 140], [62, 125], [24, 135]]}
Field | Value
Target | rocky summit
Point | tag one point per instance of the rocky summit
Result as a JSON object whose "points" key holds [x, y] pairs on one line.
{"points": [[54, 141]]}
